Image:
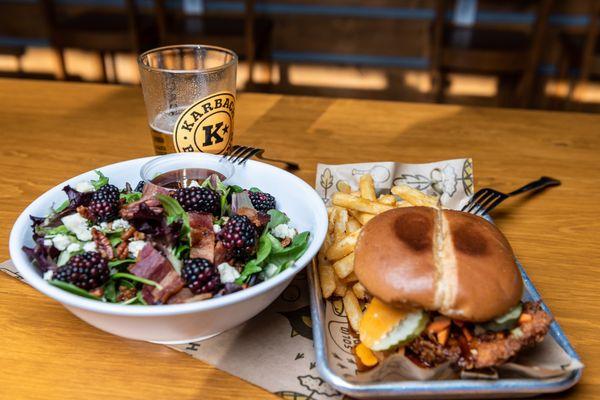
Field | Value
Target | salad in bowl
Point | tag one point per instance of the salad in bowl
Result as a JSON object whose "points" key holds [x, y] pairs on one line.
{"points": [[152, 245], [169, 261]]}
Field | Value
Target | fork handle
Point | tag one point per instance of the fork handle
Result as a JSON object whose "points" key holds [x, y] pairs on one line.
{"points": [[541, 183], [289, 165]]}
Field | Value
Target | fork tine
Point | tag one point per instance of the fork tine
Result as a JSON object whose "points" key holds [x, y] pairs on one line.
{"points": [[236, 152], [482, 200], [474, 200], [250, 154], [483, 205], [242, 154], [499, 199], [231, 151], [225, 156]]}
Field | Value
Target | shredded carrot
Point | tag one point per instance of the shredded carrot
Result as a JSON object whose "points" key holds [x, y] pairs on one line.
{"points": [[442, 336], [365, 355], [439, 324], [524, 318], [467, 334]]}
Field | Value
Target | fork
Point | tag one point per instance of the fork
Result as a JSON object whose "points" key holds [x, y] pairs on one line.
{"points": [[240, 154], [486, 199]]}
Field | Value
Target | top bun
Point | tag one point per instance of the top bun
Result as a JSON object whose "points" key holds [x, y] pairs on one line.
{"points": [[441, 260]]}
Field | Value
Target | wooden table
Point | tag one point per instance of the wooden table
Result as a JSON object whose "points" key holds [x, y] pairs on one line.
{"points": [[53, 131]]}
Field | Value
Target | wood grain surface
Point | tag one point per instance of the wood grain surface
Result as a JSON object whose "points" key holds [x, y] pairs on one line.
{"points": [[52, 131]]}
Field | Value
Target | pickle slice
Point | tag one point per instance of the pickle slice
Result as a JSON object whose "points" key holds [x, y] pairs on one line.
{"points": [[506, 321], [384, 327], [404, 332]]}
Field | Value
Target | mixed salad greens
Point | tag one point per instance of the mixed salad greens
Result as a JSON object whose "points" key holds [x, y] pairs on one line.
{"points": [[154, 245]]}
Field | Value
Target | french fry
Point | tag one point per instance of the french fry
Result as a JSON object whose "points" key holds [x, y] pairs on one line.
{"points": [[344, 266], [340, 287], [340, 220], [401, 204], [350, 278], [352, 225], [359, 204], [359, 291], [356, 193], [353, 310], [322, 257], [363, 218], [343, 247], [330, 217], [367, 187], [388, 199], [414, 196], [327, 280], [344, 187]]}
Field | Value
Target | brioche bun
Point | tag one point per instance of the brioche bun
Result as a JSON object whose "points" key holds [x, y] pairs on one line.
{"points": [[448, 261]]}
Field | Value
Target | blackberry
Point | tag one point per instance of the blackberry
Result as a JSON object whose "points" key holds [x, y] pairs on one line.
{"points": [[239, 236], [104, 204], [87, 271], [109, 191], [198, 199], [200, 275], [262, 201]]}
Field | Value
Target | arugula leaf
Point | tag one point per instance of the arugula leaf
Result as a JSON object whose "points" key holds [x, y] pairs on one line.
{"points": [[130, 197], [62, 207], [118, 263], [276, 246], [264, 248], [250, 269], [136, 278], [101, 181], [59, 230], [130, 301], [115, 239], [110, 291], [236, 188], [277, 218], [72, 289], [255, 190], [140, 299], [181, 250], [292, 252], [224, 204], [176, 213], [207, 183]]}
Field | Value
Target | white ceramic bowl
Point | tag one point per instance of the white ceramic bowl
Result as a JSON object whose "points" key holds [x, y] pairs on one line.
{"points": [[181, 323]]}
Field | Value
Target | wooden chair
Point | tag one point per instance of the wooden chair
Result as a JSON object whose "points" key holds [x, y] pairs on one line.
{"points": [[245, 34], [511, 55], [103, 29], [21, 25], [580, 53]]}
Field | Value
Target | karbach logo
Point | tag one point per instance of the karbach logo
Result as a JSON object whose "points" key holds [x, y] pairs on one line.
{"points": [[207, 125]]}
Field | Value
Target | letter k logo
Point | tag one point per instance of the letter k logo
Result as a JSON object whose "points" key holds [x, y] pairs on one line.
{"points": [[210, 134]]}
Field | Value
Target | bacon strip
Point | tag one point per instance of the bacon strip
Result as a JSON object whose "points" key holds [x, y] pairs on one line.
{"points": [[203, 236]]}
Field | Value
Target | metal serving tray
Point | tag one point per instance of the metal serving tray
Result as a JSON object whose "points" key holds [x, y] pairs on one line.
{"points": [[463, 388]]}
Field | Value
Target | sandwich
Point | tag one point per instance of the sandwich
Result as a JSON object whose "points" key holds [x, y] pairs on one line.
{"points": [[445, 288]]}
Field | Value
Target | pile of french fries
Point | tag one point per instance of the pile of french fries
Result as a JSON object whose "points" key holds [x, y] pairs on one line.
{"points": [[349, 213]]}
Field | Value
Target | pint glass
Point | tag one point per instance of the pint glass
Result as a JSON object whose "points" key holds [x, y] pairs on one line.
{"points": [[189, 92]]}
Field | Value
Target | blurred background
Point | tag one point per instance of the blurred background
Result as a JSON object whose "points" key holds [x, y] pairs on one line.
{"points": [[539, 54]]}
